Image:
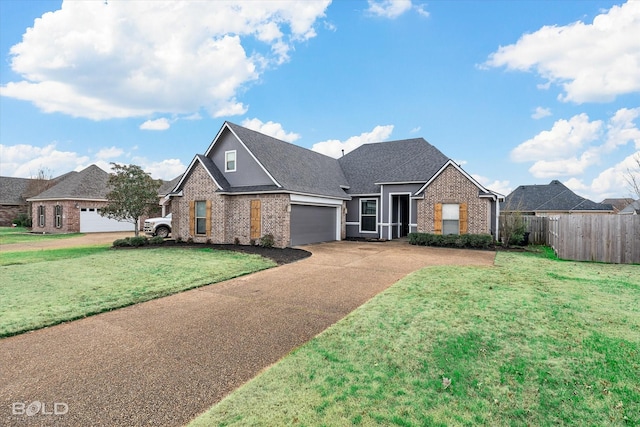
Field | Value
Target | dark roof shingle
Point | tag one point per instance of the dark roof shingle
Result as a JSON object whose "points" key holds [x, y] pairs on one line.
{"points": [[89, 183], [295, 168], [554, 196], [409, 160]]}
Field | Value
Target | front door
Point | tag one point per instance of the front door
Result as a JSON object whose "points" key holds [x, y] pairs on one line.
{"points": [[400, 215]]}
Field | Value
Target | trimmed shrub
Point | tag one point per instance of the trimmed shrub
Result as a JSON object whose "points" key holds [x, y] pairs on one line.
{"points": [[267, 241], [156, 240], [22, 220], [131, 241], [479, 241]]}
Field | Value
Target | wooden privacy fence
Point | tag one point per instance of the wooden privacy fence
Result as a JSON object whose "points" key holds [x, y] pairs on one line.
{"points": [[602, 238], [537, 227]]}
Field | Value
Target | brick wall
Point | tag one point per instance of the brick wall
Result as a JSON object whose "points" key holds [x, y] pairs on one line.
{"points": [[451, 186], [70, 215], [230, 215]]}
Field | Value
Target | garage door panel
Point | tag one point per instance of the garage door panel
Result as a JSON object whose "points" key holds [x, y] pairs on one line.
{"points": [[312, 224], [92, 222]]}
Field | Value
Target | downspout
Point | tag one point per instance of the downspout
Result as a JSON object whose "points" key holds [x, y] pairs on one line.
{"points": [[497, 219]]}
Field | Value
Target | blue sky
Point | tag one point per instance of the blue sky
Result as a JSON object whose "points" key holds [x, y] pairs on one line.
{"points": [[518, 92]]}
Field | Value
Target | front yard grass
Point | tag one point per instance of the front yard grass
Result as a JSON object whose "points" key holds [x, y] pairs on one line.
{"points": [[43, 288], [21, 235], [531, 341]]}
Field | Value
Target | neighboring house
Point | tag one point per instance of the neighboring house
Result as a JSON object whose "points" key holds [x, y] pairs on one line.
{"points": [[12, 199], [248, 184], [632, 209], [550, 199], [163, 194], [617, 204], [73, 205]]}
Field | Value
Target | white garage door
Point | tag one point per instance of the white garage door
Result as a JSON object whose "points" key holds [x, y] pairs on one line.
{"points": [[92, 222], [312, 224]]}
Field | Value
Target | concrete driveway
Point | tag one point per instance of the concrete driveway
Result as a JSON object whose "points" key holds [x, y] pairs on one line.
{"points": [[165, 361]]}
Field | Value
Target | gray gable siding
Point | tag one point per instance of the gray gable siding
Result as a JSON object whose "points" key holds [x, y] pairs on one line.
{"points": [[248, 171], [296, 169]]}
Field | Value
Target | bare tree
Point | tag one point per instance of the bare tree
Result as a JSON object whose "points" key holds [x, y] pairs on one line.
{"points": [[632, 176]]}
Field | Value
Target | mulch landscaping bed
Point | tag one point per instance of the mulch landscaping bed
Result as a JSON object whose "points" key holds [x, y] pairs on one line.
{"points": [[280, 256]]}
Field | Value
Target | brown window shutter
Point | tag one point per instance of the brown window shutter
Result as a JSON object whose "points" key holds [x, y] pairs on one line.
{"points": [[463, 218], [255, 219], [437, 219], [208, 207], [192, 218]]}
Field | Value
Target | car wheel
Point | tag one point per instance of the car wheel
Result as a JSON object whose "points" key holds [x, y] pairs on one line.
{"points": [[163, 232]]}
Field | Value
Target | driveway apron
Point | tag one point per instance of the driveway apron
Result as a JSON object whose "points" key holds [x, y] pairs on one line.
{"points": [[165, 361]]}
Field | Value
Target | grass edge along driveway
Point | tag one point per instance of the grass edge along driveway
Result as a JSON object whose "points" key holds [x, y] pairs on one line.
{"points": [[44, 288], [532, 341]]}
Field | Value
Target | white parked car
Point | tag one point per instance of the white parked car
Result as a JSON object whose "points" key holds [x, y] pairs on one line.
{"points": [[160, 226]]}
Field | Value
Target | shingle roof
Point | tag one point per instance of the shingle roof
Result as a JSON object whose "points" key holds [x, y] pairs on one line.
{"points": [[631, 208], [551, 197], [12, 190], [167, 186], [295, 168], [409, 160], [90, 183], [618, 204]]}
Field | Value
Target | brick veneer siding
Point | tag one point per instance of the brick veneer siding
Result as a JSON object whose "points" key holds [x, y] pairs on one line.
{"points": [[451, 186], [230, 215], [70, 215]]}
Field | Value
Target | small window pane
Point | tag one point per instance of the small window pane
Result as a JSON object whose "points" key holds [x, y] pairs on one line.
{"points": [[451, 211], [230, 161], [201, 209], [450, 227], [201, 226], [369, 207], [368, 223]]}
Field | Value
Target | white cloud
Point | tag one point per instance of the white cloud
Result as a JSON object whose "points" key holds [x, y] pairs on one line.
{"points": [[157, 124], [109, 153], [334, 147], [416, 129], [565, 138], [422, 11], [592, 62], [25, 161], [165, 169], [389, 8], [610, 183], [102, 60], [271, 128], [540, 113], [502, 187], [572, 146]]}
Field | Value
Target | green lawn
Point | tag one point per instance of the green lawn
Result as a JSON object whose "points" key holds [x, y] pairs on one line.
{"points": [[21, 235], [42, 288], [531, 341]]}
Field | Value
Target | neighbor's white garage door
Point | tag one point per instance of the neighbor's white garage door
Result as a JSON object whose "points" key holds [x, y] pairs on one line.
{"points": [[92, 222]]}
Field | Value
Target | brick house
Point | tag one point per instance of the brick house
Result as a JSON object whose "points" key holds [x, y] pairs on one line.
{"points": [[73, 205], [247, 185]]}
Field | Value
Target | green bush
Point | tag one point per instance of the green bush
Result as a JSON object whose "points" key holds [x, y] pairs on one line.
{"points": [[156, 240], [267, 241], [131, 241], [22, 220], [479, 241]]}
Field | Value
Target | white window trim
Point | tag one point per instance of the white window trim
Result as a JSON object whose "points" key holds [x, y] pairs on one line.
{"points": [[235, 160], [360, 216]]}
